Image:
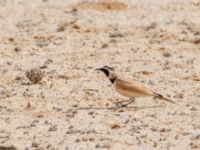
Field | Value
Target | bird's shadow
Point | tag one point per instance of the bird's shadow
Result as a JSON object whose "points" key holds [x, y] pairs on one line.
{"points": [[115, 108]]}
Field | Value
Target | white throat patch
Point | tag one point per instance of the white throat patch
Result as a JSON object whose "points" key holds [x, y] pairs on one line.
{"points": [[111, 75]]}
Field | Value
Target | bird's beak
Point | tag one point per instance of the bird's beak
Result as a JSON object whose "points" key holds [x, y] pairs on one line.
{"points": [[97, 69]]}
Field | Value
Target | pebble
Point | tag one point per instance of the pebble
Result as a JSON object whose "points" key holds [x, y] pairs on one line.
{"points": [[166, 54], [196, 39]]}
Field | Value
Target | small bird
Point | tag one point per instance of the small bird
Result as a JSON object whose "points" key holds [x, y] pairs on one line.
{"points": [[129, 88]]}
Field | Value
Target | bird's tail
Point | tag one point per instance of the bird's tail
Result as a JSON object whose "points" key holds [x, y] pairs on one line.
{"points": [[163, 98]]}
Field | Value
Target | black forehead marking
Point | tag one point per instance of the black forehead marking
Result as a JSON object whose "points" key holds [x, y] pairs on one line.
{"points": [[108, 67], [105, 71]]}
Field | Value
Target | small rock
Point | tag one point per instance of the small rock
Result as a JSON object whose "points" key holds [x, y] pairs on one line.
{"points": [[40, 116], [34, 144], [49, 61], [116, 34], [75, 26], [154, 144], [196, 2], [176, 137], [113, 41], [153, 25], [115, 126], [9, 63], [91, 139], [196, 39], [163, 130], [17, 49], [43, 67], [187, 105], [197, 137], [153, 129], [18, 78], [101, 145], [34, 75], [48, 146], [143, 136], [166, 54], [91, 113], [104, 46], [150, 82], [193, 109], [62, 27], [8, 147], [28, 106], [180, 96], [54, 128], [75, 105], [146, 72], [57, 109], [11, 39], [84, 139]]}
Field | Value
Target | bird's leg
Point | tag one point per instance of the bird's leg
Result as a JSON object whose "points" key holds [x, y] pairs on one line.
{"points": [[132, 100], [120, 104], [122, 101]]}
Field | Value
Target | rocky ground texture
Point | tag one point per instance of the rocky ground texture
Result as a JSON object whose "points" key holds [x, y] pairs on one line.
{"points": [[69, 105]]}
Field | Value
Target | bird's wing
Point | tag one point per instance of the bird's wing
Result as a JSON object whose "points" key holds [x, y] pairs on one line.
{"points": [[132, 85]]}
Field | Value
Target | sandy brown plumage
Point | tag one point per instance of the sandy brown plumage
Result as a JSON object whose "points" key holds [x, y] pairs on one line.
{"points": [[129, 88]]}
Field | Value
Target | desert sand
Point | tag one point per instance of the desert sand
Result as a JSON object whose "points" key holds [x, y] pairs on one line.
{"points": [[73, 106]]}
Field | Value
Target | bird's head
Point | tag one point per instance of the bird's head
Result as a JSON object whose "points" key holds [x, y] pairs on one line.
{"points": [[109, 72]]}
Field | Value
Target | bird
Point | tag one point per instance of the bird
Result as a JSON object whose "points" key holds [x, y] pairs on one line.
{"points": [[129, 88]]}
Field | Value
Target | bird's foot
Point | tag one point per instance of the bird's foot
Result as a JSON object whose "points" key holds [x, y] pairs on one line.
{"points": [[124, 104], [120, 104]]}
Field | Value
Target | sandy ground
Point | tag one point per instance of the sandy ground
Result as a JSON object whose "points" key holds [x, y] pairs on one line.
{"points": [[154, 42]]}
